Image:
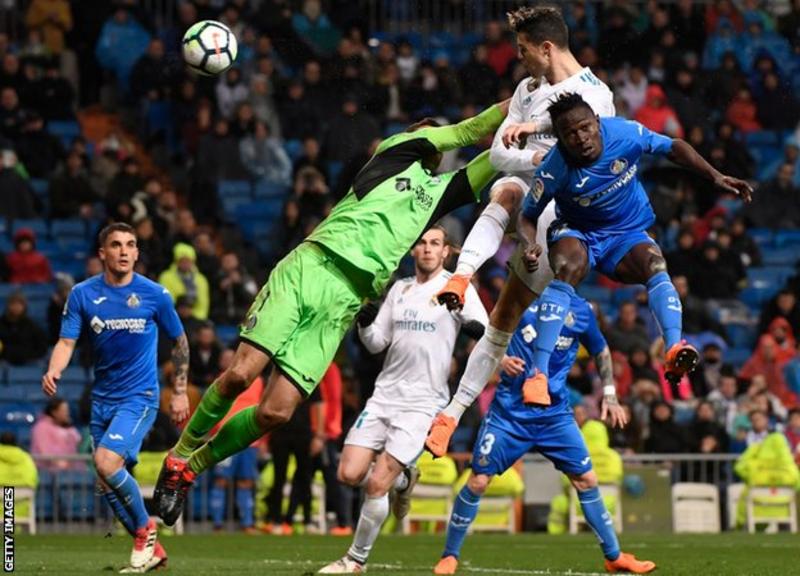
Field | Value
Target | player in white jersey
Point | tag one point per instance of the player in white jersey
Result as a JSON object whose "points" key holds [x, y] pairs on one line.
{"points": [[412, 387], [543, 43]]}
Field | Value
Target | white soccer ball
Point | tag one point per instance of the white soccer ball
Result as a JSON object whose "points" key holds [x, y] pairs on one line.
{"points": [[209, 47]]}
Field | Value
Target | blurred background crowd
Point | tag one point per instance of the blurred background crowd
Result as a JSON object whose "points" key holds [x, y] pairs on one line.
{"points": [[221, 177]]}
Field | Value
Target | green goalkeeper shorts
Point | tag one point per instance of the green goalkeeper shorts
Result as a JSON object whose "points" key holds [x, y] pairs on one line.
{"points": [[302, 313]]}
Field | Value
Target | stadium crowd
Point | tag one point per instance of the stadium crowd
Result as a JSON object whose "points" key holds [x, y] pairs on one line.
{"points": [[221, 177]]}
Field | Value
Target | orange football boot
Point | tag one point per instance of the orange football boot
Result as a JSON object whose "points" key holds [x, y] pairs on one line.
{"points": [[679, 360], [446, 565], [629, 563]]}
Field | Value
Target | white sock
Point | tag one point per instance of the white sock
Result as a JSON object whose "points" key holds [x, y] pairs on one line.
{"points": [[365, 479], [484, 239], [481, 364], [373, 513]]}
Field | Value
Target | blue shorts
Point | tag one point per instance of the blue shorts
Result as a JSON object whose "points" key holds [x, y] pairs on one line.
{"points": [[501, 442], [121, 427], [605, 248], [241, 466]]}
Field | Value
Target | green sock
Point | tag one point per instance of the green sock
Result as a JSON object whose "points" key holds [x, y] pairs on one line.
{"points": [[236, 435], [212, 408]]}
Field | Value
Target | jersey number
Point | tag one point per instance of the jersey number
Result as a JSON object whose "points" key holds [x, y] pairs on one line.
{"points": [[487, 444]]}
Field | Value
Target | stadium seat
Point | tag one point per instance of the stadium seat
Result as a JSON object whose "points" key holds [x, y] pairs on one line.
{"points": [[786, 256], [25, 375], [695, 508], [733, 494], [41, 187], [432, 500], [231, 204], [610, 493], [67, 130], [781, 503], [294, 148], [785, 238], [74, 375], [227, 333], [234, 189], [769, 276], [737, 356], [266, 189], [68, 228], [38, 225], [13, 393], [598, 294], [334, 169], [25, 495], [497, 509], [762, 236], [755, 297], [741, 335], [624, 294]]}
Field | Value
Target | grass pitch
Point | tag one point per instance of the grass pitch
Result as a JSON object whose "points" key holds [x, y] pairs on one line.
{"points": [[503, 555]]}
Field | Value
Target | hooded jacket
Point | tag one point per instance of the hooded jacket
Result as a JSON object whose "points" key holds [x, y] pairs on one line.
{"points": [[177, 283]]}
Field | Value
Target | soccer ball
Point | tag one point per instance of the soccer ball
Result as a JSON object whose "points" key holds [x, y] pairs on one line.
{"points": [[209, 47]]}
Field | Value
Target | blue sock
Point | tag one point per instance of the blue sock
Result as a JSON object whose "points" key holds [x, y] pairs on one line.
{"points": [[245, 504], [127, 490], [120, 511], [216, 504], [594, 510], [553, 309], [666, 306], [465, 508]]}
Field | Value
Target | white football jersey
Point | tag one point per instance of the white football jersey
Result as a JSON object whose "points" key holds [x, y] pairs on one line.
{"points": [[529, 103], [420, 335]]}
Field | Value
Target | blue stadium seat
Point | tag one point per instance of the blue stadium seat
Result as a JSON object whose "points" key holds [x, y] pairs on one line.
{"points": [[786, 256], [227, 333], [769, 276], [785, 238], [40, 186], [266, 189], [624, 294], [265, 210], [741, 335], [762, 236], [74, 375], [38, 226], [294, 148], [334, 169], [68, 228], [232, 204], [19, 375], [13, 393], [737, 356], [17, 414], [70, 391], [234, 189], [755, 297], [67, 130], [39, 291], [69, 264], [37, 310]]}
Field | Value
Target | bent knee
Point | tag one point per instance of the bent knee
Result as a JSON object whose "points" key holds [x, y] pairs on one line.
{"points": [[270, 416], [233, 382], [585, 481], [478, 483], [508, 195], [349, 475], [107, 463], [656, 264]]}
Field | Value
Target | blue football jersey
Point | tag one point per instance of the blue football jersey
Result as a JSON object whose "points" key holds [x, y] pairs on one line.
{"points": [[122, 323], [580, 328], [606, 194]]}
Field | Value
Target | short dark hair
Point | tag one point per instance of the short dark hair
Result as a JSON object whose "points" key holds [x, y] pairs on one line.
{"points": [[53, 404], [115, 227], [437, 226], [540, 24], [424, 123], [567, 102]]}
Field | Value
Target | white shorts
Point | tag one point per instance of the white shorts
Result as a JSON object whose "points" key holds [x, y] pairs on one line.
{"points": [[401, 433]]}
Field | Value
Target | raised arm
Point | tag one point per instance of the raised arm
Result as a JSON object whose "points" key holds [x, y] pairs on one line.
{"points": [[469, 131], [685, 155]]}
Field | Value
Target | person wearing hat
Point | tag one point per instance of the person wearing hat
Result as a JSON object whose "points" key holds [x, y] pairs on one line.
{"points": [[26, 264], [183, 278]]}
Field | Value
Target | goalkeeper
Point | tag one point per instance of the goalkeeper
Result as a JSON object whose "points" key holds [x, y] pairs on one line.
{"points": [[301, 314]]}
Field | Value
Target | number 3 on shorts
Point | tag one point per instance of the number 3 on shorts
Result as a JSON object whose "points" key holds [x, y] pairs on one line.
{"points": [[488, 442]]}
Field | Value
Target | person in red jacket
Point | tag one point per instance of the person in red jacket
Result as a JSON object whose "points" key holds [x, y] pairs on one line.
{"points": [[657, 115], [337, 497], [25, 264]]}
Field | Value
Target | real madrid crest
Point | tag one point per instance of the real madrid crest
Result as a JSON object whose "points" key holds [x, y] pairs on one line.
{"points": [[538, 188], [618, 166], [533, 84], [133, 301]]}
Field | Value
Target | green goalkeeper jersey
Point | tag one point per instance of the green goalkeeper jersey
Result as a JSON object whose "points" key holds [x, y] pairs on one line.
{"points": [[393, 199]]}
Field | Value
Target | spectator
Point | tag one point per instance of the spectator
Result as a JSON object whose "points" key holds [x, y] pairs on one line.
{"points": [[204, 357], [743, 244], [617, 43], [501, 53], [299, 117], [759, 427], [12, 116], [777, 105], [711, 279], [54, 435], [742, 112], [313, 25], [666, 436], [777, 201], [685, 98], [26, 265], [350, 132], [765, 363], [21, 339], [263, 155], [39, 151], [311, 157], [206, 249], [480, 77], [408, 63], [706, 377], [185, 227], [122, 41], [657, 115], [793, 432], [641, 364], [634, 89], [125, 184], [683, 260], [53, 18], [191, 325], [55, 308], [783, 305], [153, 76], [261, 100], [234, 290], [243, 122], [18, 199], [781, 331], [724, 399], [55, 95], [628, 332], [231, 90], [312, 194], [71, 192], [183, 278]]}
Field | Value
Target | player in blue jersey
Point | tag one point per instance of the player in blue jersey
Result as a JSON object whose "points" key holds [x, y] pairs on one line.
{"points": [[602, 216], [122, 311], [511, 429]]}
